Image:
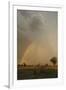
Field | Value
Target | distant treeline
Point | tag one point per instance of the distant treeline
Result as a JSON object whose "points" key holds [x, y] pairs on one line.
{"points": [[53, 60]]}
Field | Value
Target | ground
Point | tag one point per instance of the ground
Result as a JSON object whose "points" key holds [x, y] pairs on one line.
{"points": [[36, 72]]}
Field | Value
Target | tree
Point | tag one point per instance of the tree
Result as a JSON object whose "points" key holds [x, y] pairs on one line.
{"points": [[54, 60], [46, 65], [24, 64]]}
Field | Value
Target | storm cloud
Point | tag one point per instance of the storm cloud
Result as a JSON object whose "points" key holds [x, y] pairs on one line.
{"points": [[39, 27]]}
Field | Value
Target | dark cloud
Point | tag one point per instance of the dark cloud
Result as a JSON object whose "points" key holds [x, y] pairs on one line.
{"points": [[36, 23]]}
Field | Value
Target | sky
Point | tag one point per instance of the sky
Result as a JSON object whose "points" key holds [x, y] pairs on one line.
{"points": [[36, 36]]}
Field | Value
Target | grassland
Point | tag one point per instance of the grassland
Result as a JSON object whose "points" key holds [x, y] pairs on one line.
{"points": [[36, 72]]}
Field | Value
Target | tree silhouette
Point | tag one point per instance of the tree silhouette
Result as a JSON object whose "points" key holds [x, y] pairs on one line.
{"points": [[46, 65], [54, 60], [24, 64]]}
